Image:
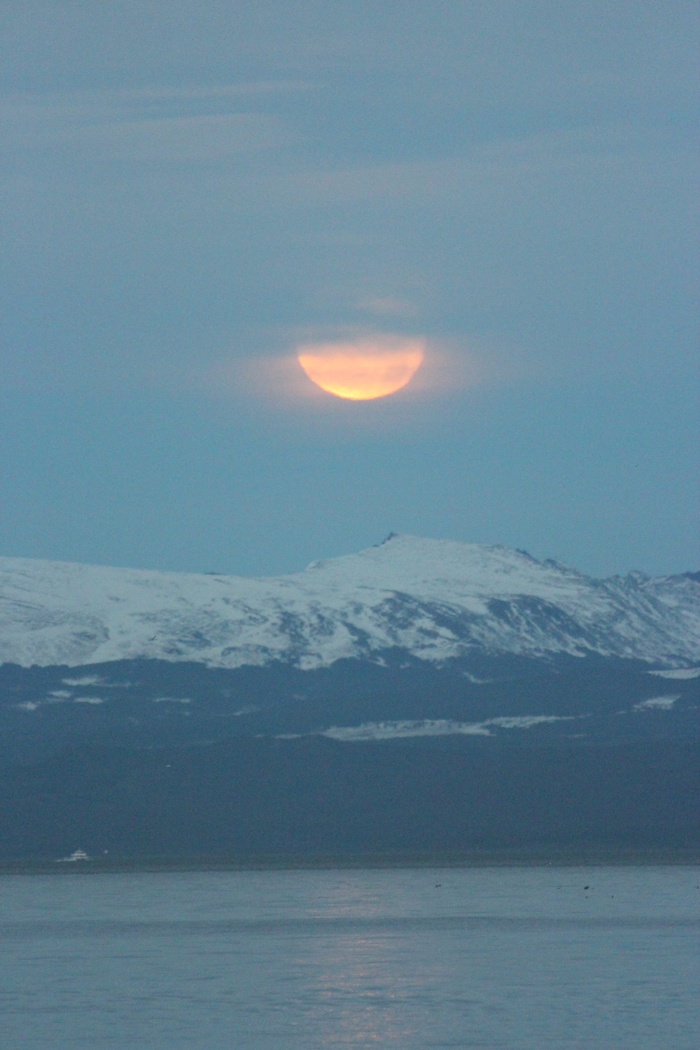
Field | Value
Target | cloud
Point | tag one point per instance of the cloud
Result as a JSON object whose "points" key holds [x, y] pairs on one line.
{"points": [[387, 306], [497, 171], [201, 138], [140, 124], [450, 367]]}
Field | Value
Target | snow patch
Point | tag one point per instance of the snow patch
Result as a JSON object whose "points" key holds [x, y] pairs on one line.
{"points": [[679, 673], [393, 730], [436, 727], [657, 703]]}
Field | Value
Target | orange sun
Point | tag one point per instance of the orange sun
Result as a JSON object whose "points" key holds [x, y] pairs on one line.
{"points": [[362, 369]]}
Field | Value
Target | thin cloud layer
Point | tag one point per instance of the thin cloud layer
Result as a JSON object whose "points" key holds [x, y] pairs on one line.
{"points": [[140, 125], [359, 365]]}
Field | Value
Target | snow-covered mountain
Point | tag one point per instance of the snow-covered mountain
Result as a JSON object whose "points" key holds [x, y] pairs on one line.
{"points": [[437, 600], [422, 696]]}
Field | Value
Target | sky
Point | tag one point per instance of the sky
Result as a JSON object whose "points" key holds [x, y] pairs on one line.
{"points": [[191, 192]]}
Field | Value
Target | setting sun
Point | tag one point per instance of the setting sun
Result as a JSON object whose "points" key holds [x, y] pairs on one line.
{"points": [[362, 369]]}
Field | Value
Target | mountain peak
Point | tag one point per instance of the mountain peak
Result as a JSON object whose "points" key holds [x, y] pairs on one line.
{"points": [[435, 599]]}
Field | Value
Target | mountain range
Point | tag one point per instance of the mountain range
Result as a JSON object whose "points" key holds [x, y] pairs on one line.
{"points": [[437, 600], [421, 695]]}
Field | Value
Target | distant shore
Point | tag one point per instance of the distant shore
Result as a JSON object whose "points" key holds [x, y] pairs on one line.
{"points": [[102, 865]]}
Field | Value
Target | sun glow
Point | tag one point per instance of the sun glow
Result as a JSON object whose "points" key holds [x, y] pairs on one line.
{"points": [[362, 369]]}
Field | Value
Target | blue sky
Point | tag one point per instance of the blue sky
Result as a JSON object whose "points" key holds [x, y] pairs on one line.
{"points": [[192, 190]]}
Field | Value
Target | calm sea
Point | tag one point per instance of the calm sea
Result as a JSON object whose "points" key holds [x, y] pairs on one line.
{"points": [[508, 958]]}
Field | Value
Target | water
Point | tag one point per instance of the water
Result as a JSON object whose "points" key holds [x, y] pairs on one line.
{"points": [[506, 958]]}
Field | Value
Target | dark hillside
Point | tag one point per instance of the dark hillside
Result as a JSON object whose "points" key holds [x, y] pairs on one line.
{"points": [[314, 795]]}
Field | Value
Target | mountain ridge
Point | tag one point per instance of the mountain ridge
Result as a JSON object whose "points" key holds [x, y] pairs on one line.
{"points": [[437, 600]]}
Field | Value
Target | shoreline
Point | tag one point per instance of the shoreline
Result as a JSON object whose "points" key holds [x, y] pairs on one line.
{"points": [[603, 857]]}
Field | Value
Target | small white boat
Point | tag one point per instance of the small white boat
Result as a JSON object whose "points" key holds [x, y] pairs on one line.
{"points": [[77, 854]]}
